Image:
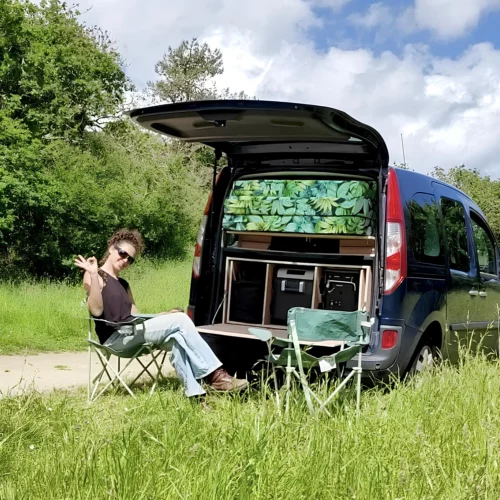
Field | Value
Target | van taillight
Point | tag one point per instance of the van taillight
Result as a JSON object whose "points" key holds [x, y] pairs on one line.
{"points": [[395, 249], [389, 339], [198, 246]]}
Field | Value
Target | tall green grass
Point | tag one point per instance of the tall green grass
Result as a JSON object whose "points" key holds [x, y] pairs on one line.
{"points": [[48, 316], [434, 438]]}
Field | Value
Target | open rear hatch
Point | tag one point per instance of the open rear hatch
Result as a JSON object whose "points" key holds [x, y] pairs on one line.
{"points": [[267, 128], [274, 137]]}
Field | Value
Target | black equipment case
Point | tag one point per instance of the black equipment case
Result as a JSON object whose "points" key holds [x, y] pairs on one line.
{"points": [[293, 287], [340, 290]]}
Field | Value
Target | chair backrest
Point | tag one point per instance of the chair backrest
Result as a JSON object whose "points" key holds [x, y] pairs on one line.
{"points": [[321, 324]]}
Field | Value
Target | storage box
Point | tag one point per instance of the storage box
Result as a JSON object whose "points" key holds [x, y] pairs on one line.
{"points": [[292, 287], [340, 290], [255, 242], [357, 243], [350, 250]]}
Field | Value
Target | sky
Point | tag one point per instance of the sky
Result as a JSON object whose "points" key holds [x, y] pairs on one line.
{"points": [[426, 69]]}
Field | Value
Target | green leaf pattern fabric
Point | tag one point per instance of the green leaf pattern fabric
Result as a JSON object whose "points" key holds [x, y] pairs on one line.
{"points": [[302, 206]]}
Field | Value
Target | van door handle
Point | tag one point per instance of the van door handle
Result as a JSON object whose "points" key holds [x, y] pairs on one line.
{"points": [[483, 294], [473, 292]]}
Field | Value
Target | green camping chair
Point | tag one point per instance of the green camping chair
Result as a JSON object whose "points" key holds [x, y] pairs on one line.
{"points": [[350, 329], [115, 376]]}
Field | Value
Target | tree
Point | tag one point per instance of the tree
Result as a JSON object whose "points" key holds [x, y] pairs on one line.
{"points": [[484, 191], [57, 78], [403, 166], [187, 72]]}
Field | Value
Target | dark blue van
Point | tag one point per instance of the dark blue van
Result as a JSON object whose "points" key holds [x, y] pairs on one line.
{"points": [[306, 210]]}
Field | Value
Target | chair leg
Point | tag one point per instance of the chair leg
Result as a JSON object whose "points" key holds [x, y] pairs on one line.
{"points": [[89, 385], [275, 381], [337, 390], [159, 367], [103, 371], [358, 388], [119, 377], [104, 359], [144, 370], [289, 371]]}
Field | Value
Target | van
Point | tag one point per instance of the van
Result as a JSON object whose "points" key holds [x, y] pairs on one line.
{"points": [[307, 211]]}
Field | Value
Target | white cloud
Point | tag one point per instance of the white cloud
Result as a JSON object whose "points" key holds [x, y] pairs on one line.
{"points": [[144, 30], [445, 19], [447, 109], [377, 15], [330, 4], [451, 18]]}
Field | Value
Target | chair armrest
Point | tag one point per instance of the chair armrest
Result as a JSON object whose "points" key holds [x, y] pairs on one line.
{"points": [[145, 316], [266, 336], [133, 321]]}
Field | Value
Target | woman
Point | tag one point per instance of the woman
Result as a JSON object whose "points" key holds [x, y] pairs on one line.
{"points": [[110, 299]]}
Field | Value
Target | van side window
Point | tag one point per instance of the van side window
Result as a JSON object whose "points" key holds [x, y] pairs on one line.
{"points": [[484, 246], [455, 234], [425, 234]]}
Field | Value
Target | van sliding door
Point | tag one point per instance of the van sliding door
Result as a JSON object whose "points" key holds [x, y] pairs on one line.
{"points": [[462, 293]]}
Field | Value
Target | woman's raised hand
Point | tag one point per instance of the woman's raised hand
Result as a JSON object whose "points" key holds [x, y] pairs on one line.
{"points": [[89, 265]]}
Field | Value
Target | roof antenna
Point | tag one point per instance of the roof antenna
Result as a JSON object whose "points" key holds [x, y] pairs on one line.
{"points": [[403, 148]]}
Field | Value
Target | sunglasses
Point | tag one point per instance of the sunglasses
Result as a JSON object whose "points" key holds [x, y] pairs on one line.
{"points": [[124, 255]]}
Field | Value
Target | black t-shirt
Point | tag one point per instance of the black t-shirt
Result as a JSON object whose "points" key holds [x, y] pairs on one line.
{"points": [[117, 305]]}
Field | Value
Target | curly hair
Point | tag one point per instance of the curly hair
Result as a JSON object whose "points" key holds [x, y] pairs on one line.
{"points": [[131, 236]]}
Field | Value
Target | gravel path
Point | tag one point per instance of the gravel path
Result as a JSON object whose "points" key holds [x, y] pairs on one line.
{"points": [[48, 371]]}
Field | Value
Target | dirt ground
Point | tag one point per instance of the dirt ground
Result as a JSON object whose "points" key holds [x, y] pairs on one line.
{"points": [[49, 371]]}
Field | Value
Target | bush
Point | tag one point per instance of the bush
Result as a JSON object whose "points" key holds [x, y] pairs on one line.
{"points": [[121, 177]]}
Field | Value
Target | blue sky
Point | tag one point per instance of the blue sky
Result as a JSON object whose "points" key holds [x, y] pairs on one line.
{"points": [[427, 69], [338, 28]]}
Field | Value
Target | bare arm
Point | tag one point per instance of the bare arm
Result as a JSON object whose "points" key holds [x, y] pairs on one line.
{"points": [[91, 284], [134, 309]]}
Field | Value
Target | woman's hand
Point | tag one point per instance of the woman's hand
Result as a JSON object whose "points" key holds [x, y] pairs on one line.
{"points": [[174, 310], [89, 265]]}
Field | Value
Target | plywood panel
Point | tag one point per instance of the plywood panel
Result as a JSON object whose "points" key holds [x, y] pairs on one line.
{"points": [[304, 235], [241, 331]]}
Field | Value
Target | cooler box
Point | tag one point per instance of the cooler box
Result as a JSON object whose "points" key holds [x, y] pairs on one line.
{"points": [[293, 287]]}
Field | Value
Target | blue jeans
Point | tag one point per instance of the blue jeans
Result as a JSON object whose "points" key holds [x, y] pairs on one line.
{"points": [[191, 357]]}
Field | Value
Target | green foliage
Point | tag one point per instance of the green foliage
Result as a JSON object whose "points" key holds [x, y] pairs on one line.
{"points": [[56, 76], [483, 190], [66, 181], [117, 178], [47, 316], [306, 206]]}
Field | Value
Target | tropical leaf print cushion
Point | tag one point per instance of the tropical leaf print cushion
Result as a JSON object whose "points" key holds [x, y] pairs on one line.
{"points": [[302, 206]]}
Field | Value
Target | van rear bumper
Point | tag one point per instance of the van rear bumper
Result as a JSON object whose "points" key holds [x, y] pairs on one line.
{"points": [[395, 360], [240, 354]]}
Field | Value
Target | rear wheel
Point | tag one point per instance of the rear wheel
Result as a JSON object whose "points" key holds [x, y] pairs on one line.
{"points": [[424, 360], [425, 357]]}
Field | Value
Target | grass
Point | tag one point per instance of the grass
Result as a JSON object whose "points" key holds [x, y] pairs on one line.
{"points": [[45, 316], [434, 438]]}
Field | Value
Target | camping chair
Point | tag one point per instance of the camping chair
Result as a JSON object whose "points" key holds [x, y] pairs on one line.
{"points": [[349, 329], [105, 353]]}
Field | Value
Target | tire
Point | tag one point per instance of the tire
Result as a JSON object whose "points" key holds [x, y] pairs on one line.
{"points": [[425, 357]]}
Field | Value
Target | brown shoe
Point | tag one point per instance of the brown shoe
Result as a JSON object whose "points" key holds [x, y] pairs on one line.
{"points": [[220, 380]]}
